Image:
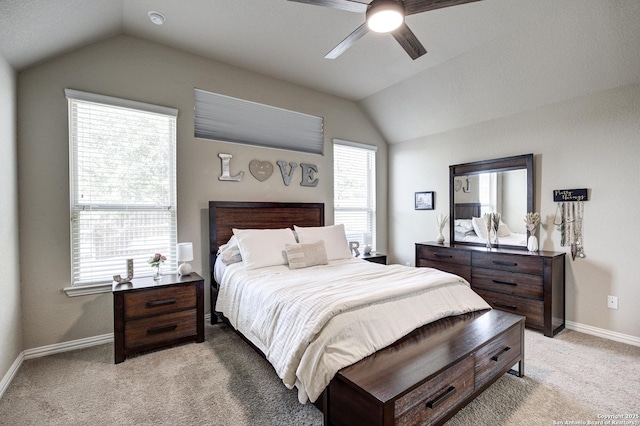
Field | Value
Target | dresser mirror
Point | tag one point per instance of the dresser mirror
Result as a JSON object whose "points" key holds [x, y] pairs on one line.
{"points": [[501, 185]]}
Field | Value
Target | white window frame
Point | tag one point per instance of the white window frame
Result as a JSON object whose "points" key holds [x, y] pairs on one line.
{"points": [[369, 206], [98, 280]]}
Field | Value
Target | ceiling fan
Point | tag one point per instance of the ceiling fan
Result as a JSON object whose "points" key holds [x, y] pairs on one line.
{"points": [[385, 16]]}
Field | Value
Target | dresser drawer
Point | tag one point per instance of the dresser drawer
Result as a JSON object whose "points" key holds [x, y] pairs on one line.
{"points": [[498, 355], [463, 271], [429, 402], [523, 285], [508, 262], [530, 308], [160, 328], [443, 254], [159, 301]]}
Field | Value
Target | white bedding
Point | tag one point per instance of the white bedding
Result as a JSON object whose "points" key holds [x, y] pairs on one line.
{"points": [[312, 322], [514, 239]]}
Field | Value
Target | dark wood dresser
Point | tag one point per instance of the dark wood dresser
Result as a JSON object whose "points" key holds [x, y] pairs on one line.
{"points": [[150, 314], [517, 281]]}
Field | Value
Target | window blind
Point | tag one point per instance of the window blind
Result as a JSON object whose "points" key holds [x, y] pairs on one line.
{"points": [[224, 118], [354, 168], [123, 186]]}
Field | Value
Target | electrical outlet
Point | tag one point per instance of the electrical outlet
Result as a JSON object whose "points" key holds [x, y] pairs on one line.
{"points": [[407, 263], [612, 302]]}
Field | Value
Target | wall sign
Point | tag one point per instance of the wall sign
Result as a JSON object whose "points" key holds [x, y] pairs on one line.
{"points": [[226, 160], [560, 195], [262, 170]]}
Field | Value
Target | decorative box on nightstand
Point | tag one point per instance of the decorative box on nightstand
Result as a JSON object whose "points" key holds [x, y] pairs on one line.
{"points": [[374, 257], [151, 314]]}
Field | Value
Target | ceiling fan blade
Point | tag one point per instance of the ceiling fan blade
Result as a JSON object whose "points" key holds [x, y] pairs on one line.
{"points": [[348, 42], [348, 5], [409, 41], [417, 6]]}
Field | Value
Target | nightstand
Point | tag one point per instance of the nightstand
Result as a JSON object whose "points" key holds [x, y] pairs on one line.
{"points": [[149, 314], [374, 257]]}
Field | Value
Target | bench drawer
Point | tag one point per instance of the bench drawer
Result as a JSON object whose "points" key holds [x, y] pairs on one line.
{"points": [[427, 403], [498, 355]]}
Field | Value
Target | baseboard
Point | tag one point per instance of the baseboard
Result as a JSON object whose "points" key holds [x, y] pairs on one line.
{"points": [[601, 332], [13, 370]]}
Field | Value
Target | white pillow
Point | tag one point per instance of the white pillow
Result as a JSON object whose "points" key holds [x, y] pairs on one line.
{"points": [[503, 230], [464, 223], [306, 255], [230, 252], [480, 226], [334, 237], [263, 247]]}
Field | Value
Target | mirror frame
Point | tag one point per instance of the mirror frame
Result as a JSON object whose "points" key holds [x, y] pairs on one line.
{"points": [[494, 165]]}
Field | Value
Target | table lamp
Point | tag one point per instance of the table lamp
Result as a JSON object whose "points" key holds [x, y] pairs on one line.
{"points": [[185, 254]]}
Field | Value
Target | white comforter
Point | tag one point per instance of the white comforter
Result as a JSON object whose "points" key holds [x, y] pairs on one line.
{"points": [[312, 322]]}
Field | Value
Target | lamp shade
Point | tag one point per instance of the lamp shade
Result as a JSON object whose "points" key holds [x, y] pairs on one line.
{"points": [[384, 16], [185, 252]]}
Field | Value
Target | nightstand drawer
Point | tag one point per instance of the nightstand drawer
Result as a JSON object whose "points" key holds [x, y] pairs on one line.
{"points": [[511, 263], [530, 308], [497, 355], [443, 254], [429, 402], [159, 301], [523, 285], [159, 328]]}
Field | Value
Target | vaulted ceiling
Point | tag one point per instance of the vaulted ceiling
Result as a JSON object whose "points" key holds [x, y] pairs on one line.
{"points": [[485, 60]]}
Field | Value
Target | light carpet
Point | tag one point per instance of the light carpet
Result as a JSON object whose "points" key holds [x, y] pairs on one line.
{"points": [[573, 377]]}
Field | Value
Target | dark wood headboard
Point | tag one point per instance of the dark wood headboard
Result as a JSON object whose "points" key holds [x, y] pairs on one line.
{"points": [[226, 215], [466, 210]]}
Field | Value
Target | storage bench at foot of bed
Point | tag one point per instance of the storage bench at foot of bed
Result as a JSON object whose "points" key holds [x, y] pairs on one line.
{"points": [[430, 374]]}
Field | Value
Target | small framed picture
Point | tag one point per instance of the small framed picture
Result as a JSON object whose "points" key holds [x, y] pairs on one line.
{"points": [[424, 200]]}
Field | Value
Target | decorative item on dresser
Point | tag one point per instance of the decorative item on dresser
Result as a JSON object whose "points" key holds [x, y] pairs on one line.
{"points": [[150, 314], [525, 283]]}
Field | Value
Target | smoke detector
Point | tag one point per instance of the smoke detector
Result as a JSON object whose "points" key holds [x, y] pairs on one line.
{"points": [[156, 17]]}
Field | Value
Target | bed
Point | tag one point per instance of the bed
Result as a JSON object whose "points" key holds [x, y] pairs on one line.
{"points": [[436, 356], [467, 231]]}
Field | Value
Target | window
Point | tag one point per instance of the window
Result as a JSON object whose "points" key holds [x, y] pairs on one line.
{"points": [[123, 186], [354, 189]]}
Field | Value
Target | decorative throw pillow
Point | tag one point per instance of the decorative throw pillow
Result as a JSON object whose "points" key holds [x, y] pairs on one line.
{"points": [[480, 226], [503, 230], [305, 255], [230, 252], [334, 237], [263, 247]]}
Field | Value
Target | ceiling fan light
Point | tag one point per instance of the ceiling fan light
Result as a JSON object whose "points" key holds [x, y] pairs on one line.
{"points": [[385, 16]]}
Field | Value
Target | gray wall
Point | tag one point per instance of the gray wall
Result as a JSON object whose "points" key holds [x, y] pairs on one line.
{"points": [[10, 307], [591, 141], [136, 69]]}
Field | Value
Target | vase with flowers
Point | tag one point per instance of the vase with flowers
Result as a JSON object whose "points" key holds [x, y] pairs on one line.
{"points": [[532, 220], [156, 262]]}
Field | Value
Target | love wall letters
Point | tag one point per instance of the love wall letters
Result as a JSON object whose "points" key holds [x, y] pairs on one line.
{"points": [[262, 170]]}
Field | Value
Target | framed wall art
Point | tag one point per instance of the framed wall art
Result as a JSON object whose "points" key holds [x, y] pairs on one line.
{"points": [[424, 200]]}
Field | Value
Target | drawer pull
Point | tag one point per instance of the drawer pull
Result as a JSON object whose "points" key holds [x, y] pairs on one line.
{"points": [[162, 302], [162, 329], [505, 282], [503, 263], [502, 352], [442, 398], [501, 305], [448, 256]]}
